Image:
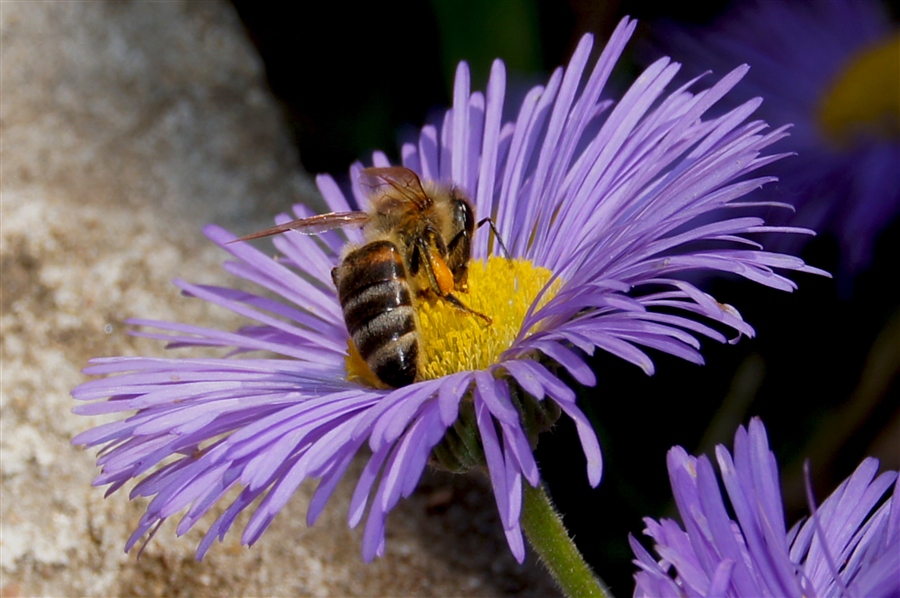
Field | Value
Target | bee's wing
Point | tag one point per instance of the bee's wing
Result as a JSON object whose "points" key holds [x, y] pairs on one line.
{"points": [[312, 225], [393, 187]]}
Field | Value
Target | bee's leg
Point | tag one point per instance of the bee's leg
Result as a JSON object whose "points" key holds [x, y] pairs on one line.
{"points": [[459, 250], [463, 307], [414, 260], [433, 239], [459, 247], [440, 277]]}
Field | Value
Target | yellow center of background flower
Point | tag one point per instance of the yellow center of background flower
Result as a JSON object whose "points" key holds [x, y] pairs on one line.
{"points": [[452, 340], [865, 95]]}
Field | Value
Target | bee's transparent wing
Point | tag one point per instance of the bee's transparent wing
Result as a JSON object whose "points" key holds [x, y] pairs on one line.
{"points": [[312, 225], [393, 187]]}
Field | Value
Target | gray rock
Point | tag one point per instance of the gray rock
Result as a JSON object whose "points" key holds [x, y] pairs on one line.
{"points": [[125, 127]]}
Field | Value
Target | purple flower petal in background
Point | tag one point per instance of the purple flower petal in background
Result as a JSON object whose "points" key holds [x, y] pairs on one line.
{"points": [[849, 547], [613, 201], [830, 69]]}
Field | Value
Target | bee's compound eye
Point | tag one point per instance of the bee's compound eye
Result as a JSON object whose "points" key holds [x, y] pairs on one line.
{"points": [[463, 216]]}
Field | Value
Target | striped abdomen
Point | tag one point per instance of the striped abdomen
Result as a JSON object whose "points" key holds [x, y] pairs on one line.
{"points": [[374, 295]]}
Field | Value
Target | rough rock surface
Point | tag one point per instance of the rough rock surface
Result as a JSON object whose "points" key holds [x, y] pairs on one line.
{"points": [[125, 127]]}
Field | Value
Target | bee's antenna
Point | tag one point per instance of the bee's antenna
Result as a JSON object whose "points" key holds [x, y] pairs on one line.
{"points": [[490, 222]]}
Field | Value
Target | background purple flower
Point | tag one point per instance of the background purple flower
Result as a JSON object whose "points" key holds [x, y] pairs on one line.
{"points": [[844, 178], [850, 546], [617, 200]]}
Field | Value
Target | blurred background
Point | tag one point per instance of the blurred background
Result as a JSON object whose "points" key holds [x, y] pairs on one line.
{"points": [[822, 371]]}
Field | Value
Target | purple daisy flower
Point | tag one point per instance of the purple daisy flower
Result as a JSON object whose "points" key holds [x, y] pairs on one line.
{"points": [[830, 68], [849, 547], [602, 207]]}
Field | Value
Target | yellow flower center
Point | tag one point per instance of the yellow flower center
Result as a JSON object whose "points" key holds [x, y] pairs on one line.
{"points": [[453, 340], [865, 95]]}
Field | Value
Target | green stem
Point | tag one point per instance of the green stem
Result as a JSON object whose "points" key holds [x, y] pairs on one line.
{"points": [[548, 536]]}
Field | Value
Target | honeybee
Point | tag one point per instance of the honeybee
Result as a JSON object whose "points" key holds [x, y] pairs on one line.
{"points": [[417, 242]]}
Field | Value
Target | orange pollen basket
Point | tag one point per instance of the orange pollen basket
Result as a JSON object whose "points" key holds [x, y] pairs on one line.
{"points": [[442, 274]]}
